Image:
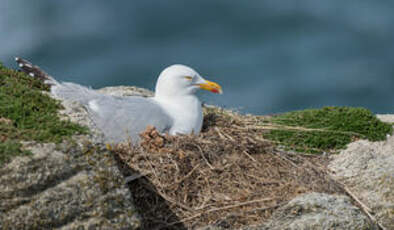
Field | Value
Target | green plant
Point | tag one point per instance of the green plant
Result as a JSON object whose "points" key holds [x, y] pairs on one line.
{"points": [[326, 129], [26, 113]]}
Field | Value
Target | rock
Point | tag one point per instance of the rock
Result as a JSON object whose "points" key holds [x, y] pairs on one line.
{"points": [[122, 91], [318, 211], [367, 169], [77, 113], [67, 186], [64, 187], [389, 118]]}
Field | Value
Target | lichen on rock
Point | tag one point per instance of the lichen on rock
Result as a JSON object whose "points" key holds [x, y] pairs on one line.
{"points": [[367, 169], [64, 187], [319, 211]]}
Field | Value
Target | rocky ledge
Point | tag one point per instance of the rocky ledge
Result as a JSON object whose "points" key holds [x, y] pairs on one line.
{"points": [[65, 186], [77, 185]]}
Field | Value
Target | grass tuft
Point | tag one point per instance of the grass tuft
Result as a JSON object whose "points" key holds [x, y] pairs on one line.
{"points": [[326, 129], [27, 114]]}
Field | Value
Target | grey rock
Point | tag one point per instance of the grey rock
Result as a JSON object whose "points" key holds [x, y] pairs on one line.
{"points": [[123, 91], [64, 187], [77, 113], [389, 118], [318, 211], [367, 169]]}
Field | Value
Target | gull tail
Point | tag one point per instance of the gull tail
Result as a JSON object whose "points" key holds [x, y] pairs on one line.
{"points": [[62, 90], [35, 71]]}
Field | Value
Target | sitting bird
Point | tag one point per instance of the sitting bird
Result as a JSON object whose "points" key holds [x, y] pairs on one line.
{"points": [[174, 109]]}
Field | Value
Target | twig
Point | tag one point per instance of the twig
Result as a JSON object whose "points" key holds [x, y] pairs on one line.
{"points": [[133, 177], [228, 136], [220, 133], [285, 159], [221, 208], [248, 155], [164, 196], [366, 209], [206, 160], [188, 175], [264, 208], [239, 204], [363, 206], [151, 167]]}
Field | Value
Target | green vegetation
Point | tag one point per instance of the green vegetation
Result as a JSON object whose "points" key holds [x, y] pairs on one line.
{"points": [[326, 129], [26, 114]]}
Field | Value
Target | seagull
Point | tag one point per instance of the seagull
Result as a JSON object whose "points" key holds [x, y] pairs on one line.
{"points": [[174, 108]]}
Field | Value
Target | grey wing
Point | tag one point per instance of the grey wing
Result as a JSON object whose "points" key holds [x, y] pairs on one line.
{"points": [[75, 92], [125, 118]]}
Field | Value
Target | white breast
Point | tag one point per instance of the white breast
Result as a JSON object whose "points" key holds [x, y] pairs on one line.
{"points": [[186, 113]]}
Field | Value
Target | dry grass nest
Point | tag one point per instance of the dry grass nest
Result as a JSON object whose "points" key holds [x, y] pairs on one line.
{"points": [[228, 176]]}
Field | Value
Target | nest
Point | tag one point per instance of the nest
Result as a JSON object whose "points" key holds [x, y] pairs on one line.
{"points": [[228, 176]]}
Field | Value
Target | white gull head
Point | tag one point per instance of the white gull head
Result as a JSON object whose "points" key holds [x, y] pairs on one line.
{"points": [[175, 92]]}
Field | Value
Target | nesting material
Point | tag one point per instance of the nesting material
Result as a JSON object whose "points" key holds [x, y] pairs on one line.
{"points": [[227, 176]]}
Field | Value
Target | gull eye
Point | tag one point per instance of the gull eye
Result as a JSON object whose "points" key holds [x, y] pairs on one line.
{"points": [[189, 78]]}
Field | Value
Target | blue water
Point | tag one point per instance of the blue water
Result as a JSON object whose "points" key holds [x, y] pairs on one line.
{"points": [[269, 56]]}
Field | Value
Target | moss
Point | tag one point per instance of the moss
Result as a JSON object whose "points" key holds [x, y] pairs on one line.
{"points": [[9, 149], [326, 129], [30, 114]]}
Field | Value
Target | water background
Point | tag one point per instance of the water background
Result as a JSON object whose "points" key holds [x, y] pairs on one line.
{"points": [[269, 56]]}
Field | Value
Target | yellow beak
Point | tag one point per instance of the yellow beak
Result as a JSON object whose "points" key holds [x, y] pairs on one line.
{"points": [[211, 86]]}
